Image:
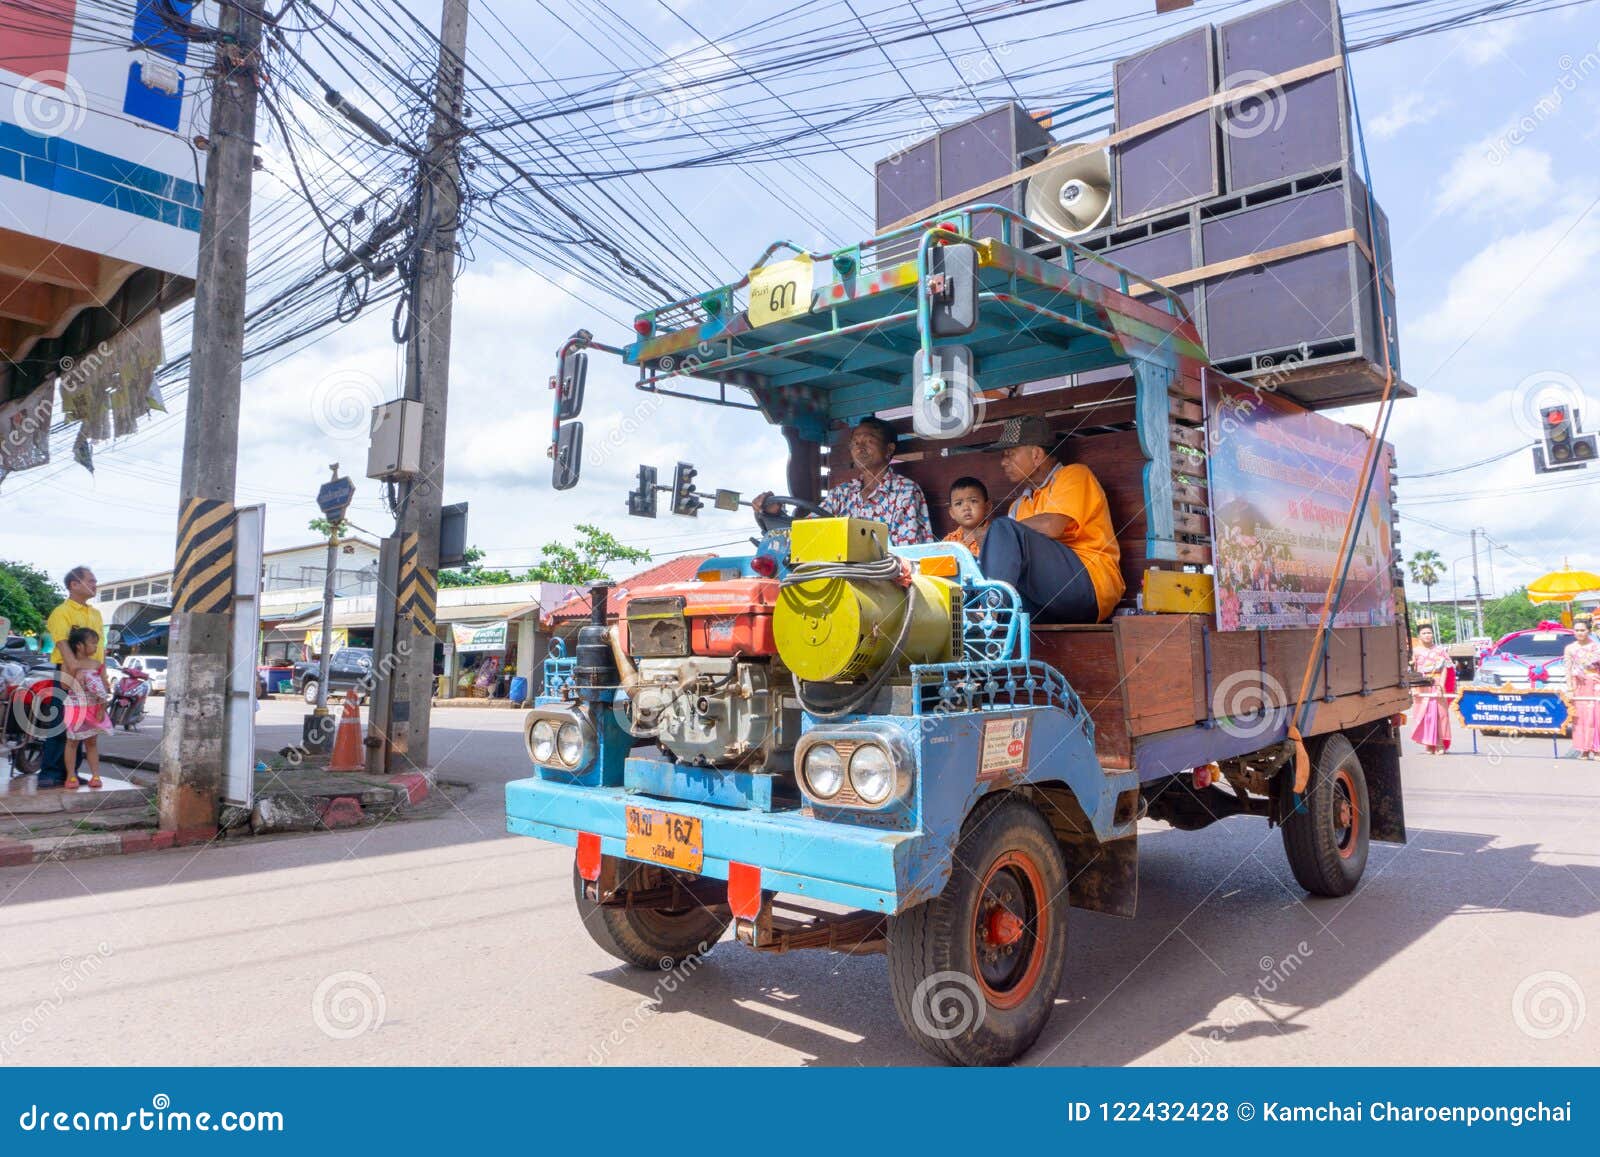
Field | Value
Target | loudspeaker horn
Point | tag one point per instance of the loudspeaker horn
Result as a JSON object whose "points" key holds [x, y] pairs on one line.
{"points": [[1073, 198]]}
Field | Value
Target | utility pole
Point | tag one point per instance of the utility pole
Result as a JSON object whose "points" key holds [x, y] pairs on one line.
{"points": [[1477, 590], [194, 746], [406, 672]]}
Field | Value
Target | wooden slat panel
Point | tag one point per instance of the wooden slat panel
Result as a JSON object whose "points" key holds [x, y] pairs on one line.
{"points": [[1087, 656], [1161, 663], [1344, 661]]}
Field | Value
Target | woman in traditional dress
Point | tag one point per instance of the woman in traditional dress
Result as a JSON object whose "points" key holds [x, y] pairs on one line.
{"points": [[1431, 704], [1583, 687]]}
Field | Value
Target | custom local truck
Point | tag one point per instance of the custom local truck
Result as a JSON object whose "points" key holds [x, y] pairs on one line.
{"points": [[831, 742]]}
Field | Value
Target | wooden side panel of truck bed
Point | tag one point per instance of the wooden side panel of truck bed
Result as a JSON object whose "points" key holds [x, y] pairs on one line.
{"points": [[1143, 675]]}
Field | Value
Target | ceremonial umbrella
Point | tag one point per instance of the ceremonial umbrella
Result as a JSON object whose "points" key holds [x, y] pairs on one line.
{"points": [[1562, 586]]}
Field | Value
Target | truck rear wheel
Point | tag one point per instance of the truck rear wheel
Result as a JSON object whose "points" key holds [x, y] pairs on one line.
{"points": [[651, 938], [974, 971], [1327, 835]]}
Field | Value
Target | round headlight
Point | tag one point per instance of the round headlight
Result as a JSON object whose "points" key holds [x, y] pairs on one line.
{"points": [[542, 741], [569, 744], [872, 773], [824, 771]]}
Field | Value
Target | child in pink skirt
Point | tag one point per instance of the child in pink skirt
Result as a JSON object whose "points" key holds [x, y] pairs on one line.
{"points": [[87, 697]]}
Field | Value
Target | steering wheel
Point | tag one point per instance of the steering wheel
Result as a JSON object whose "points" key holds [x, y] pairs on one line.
{"points": [[770, 522]]}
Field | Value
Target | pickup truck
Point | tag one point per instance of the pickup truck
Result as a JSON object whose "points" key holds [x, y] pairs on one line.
{"points": [[351, 668]]}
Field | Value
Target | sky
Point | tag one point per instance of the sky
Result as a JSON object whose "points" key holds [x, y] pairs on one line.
{"points": [[1482, 146]]}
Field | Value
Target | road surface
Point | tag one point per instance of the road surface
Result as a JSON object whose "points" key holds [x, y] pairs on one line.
{"points": [[444, 941]]}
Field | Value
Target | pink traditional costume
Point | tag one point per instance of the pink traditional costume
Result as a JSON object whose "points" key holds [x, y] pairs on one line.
{"points": [[1583, 691], [1431, 705]]}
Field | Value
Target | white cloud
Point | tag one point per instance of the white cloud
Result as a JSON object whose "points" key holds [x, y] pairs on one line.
{"points": [[1487, 43], [1407, 109], [1514, 280], [1486, 181]]}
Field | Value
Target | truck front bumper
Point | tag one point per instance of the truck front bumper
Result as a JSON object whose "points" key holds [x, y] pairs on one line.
{"points": [[859, 867]]}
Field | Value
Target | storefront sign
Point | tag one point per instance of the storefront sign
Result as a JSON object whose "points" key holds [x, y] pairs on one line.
{"points": [[341, 638], [1508, 709], [1283, 481], [471, 637]]}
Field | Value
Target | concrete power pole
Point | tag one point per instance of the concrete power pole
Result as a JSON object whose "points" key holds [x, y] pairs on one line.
{"points": [[194, 746], [406, 675], [1477, 589]]}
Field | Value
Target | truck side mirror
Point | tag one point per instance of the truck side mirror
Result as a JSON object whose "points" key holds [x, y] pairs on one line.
{"points": [[945, 405], [568, 455], [953, 289], [571, 375]]}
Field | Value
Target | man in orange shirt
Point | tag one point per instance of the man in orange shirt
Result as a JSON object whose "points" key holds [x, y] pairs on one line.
{"points": [[1056, 545]]}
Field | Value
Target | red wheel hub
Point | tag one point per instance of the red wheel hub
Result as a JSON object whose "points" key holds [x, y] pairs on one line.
{"points": [[1002, 928], [1010, 930]]}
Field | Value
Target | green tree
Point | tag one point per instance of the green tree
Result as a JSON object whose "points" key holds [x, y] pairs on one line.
{"points": [[572, 565], [1512, 612], [584, 563], [27, 596], [1427, 568], [329, 529]]}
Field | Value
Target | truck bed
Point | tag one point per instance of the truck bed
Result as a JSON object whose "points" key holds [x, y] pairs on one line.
{"points": [[1155, 685]]}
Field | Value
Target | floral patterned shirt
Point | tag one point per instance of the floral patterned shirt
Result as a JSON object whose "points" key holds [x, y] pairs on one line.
{"points": [[898, 503]]}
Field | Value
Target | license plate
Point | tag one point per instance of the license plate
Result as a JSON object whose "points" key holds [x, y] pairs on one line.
{"points": [[781, 290], [665, 838]]}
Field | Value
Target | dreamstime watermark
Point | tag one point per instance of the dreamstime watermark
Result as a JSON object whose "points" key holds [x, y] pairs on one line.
{"points": [[948, 1004], [1573, 73], [75, 972], [160, 1117], [672, 977], [342, 402], [1242, 703], [1548, 1004], [347, 1004], [1541, 390], [49, 104], [1275, 974], [1233, 413], [1263, 111], [974, 69]]}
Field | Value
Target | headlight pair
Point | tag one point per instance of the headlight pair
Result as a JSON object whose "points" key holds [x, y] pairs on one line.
{"points": [[557, 742], [854, 772]]}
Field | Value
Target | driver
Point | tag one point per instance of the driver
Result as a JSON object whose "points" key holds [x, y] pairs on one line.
{"points": [[1057, 545], [878, 493]]}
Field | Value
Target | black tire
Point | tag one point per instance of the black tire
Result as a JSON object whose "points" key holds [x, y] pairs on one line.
{"points": [[985, 1005], [1327, 836], [27, 759], [308, 691], [648, 938]]}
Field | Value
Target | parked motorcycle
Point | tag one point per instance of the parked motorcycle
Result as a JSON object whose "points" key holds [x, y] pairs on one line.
{"points": [[128, 699], [30, 705]]}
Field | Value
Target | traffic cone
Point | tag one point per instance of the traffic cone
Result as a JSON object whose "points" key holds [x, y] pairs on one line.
{"points": [[347, 748]]}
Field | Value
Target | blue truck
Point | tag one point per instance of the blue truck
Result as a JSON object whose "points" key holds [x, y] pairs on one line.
{"points": [[837, 743]]}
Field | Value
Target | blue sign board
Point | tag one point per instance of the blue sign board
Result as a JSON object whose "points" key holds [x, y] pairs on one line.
{"points": [[1507, 709], [335, 496]]}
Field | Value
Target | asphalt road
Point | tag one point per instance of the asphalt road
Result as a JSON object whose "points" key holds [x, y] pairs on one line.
{"points": [[444, 941]]}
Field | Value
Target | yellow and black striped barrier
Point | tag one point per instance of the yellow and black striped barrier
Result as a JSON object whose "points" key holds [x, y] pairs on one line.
{"points": [[202, 577], [419, 587]]}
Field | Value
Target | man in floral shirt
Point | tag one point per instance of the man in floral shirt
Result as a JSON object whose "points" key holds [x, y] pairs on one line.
{"points": [[879, 493]]}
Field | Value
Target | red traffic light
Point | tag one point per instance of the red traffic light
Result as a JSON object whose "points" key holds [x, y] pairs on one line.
{"points": [[1555, 415]]}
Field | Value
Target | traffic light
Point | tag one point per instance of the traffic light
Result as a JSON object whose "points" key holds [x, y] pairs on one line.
{"points": [[683, 496], [642, 499], [1564, 448]]}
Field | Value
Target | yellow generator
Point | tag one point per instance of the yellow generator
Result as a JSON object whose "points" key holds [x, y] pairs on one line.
{"points": [[848, 607]]}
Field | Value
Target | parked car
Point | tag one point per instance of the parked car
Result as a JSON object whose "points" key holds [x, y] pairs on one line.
{"points": [[1528, 659], [351, 668], [154, 666]]}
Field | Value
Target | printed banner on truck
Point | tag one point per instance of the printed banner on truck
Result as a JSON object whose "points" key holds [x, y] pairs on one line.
{"points": [[1282, 483]]}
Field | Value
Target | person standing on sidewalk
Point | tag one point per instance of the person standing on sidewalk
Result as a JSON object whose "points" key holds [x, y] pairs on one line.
{"points": [[74, 612], [1583, 687]]}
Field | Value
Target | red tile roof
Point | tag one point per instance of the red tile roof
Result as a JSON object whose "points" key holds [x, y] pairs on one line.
{"points": [[674, 570]]}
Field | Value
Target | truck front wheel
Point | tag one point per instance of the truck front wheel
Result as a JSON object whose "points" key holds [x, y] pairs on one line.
{"points": [[654, 938], [974, 971], [1327, 834]]}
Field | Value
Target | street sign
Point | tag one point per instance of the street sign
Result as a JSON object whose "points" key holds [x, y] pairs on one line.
{"points": [[334, 498], [1484, 708]]}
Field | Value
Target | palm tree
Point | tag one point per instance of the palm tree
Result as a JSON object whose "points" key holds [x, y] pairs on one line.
{"points": [[1427, 568]]}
